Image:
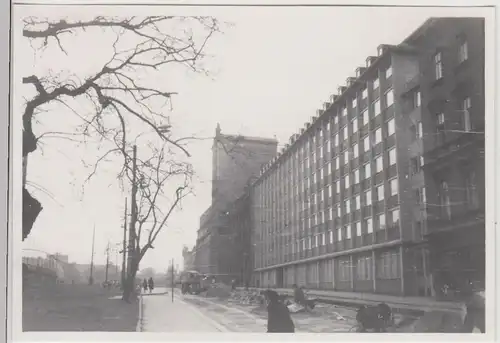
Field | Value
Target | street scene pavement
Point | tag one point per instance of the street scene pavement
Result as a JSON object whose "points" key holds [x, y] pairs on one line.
{"points": [[192, 313]]}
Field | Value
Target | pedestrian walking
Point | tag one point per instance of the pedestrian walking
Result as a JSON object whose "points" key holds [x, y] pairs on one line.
{"points": [[145, 285], [151, 285], [278, 316]]}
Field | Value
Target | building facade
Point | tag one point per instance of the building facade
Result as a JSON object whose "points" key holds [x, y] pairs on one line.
{"points": [[336, 209], [452, 112], [236, 162], [188, 258]]}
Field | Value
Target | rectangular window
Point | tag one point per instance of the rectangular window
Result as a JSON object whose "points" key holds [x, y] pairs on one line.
{"points": [[346, 157], [376, 108], [346, 181], [438, 66], [335, 119], [366, 143], [354, 103], [357, 225], [328, 147], [347, 206], [463, 52], [336, 140], [357, 201], [388, 266], [465, 109], [391, 128], [344, 111], [414, 166], [337, 186], [339, 234], [378, 135], [329, 190], [339, 212], [330, 237], [419, 133], [440, 118], [366, 117], [379, 164], [416, 102], [348, 231], [376, 83], [380, 192], [356, 176], [346, 132], [367, 172], [393, 185], [369, 225], [381, 221], [354, 124], [364, 94], [392, 156], [327, 126], [388, 72], [355, 151], [395, 217], [368, 198], [389, 98]]}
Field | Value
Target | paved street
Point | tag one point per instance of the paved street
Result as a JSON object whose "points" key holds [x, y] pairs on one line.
{"points": [[190, 313], [160, 314]]}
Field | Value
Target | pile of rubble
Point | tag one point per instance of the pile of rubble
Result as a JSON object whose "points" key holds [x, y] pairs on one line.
{"points": [[247, 297]]}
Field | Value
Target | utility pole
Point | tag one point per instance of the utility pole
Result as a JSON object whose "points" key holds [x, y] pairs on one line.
{"points": [[107, 263], [124, 250], [91, 277], [133, 219], [173, 281]]}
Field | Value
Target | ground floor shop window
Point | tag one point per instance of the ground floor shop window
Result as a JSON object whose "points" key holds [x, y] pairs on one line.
{"points": [[388, 265], [364, 269], [344, 270]]}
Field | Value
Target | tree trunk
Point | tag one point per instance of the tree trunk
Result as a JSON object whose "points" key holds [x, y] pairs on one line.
{"points": [[129, 291], [31, 206]]}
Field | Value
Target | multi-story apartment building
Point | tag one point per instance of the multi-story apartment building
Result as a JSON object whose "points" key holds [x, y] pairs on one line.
{"points": [[236, 162], [336, 208], [449, 131]]}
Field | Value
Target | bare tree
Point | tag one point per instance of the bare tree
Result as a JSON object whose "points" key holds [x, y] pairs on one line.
{"points": [[119, 99], [162, 182]]}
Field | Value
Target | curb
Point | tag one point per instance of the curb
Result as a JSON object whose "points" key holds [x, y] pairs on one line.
{"points": [[139, 321]]}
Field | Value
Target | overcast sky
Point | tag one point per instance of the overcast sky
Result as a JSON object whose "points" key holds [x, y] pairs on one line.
{"points": [[270, 71]]}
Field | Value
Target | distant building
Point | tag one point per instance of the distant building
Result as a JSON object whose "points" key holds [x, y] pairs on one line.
{"points": [[188, 258], [236, 161], [340, 207]]}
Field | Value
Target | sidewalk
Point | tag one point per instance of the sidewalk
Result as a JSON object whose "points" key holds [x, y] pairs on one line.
{"points": [[395, 302], [160, 314]]}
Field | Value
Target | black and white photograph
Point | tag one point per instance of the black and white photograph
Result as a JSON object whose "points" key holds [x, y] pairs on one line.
{"points": [[252, 169]]}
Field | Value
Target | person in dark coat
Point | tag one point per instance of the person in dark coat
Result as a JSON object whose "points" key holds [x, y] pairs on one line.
{"points": [[278, 316], [151, 284], [145, 285], [377, 318], [299, 296]]}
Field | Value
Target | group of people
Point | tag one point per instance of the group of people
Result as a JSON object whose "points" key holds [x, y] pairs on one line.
{"points": [[148, 284]]}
